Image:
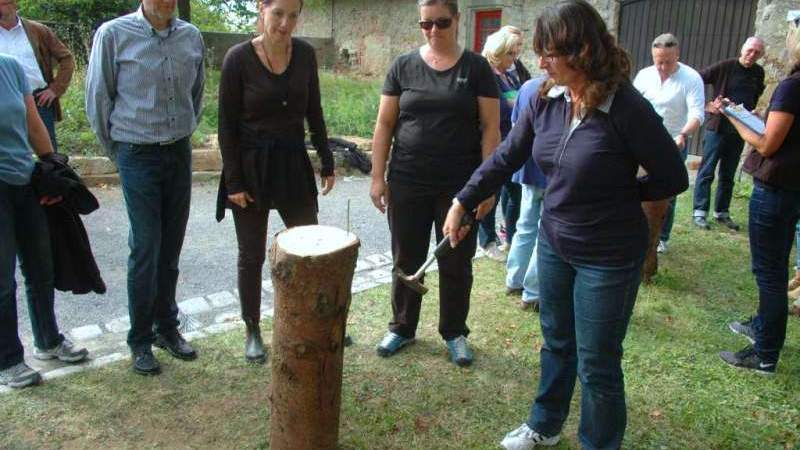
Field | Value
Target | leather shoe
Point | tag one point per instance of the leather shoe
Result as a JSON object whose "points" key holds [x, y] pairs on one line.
{"points": [[144, 363], [700, 222], [728, 222], [176, 346]]}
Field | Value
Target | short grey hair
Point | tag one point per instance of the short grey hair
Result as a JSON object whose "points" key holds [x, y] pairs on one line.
{"points": [[499, 44], [666, 40], [452, 5]]}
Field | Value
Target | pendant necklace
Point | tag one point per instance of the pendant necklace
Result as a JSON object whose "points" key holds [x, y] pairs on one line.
{"points": [[285, 101]]}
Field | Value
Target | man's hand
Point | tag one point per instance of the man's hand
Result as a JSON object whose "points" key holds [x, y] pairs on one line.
{"points": [[45, 98], [452, 224], [680, 141], [240, 199], [49, 201]]}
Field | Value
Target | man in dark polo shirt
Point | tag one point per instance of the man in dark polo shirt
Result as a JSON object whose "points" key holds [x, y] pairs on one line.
{"points": [[742, 81]]}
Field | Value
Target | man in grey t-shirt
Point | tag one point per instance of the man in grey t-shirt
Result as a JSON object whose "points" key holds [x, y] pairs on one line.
{"points": [[144, 86]]}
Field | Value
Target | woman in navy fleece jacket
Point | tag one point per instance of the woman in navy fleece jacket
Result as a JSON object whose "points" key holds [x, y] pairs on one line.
{"points": [[590, 130]]}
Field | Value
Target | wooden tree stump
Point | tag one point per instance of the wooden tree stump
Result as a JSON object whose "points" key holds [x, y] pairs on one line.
{"points": [[655, 212], [312, 272]]}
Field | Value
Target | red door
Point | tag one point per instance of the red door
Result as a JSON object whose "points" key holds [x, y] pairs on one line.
{"points": [[486, 23]]}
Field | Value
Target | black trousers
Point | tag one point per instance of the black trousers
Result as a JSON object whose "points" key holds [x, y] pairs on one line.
{"points": [[412, 210], [251, 234]]}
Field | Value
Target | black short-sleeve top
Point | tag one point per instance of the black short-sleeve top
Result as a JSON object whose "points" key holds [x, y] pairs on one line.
{"points": [[437, 138]]}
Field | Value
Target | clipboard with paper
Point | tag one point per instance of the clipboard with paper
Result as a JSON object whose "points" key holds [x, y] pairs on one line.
{"points": [[750, 120]]}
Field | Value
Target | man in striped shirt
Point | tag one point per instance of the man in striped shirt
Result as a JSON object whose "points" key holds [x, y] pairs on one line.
{"points": [[144, 87]]}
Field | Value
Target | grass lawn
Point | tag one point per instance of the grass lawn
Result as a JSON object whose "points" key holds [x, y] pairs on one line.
{"points": [[350, 105], [680, 395]]}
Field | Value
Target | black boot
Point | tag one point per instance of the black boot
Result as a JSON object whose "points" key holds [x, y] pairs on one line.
{"points": [[254, 346]]}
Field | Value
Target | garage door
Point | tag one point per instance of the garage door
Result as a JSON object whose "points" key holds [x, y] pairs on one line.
{"points": [[709, 30]]}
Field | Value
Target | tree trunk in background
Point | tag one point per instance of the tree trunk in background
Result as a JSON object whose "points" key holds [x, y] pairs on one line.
{"points": [[185, 10], [655, 212], [312, 273]]}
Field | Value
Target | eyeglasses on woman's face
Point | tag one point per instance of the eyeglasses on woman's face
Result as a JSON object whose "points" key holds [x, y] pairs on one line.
{"points": [[550, 57], [441, 23]]}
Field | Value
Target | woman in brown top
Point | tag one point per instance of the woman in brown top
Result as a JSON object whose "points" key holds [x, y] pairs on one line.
{"points": [[269, 86]]}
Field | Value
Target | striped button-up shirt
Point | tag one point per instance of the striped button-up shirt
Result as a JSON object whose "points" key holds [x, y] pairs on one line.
{"points": [[144, 86]]}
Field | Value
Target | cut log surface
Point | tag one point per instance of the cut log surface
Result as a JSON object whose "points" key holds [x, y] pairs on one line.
{"points": [[312, 272]]}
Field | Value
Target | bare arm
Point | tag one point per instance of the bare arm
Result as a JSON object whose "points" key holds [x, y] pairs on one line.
{"points": [[778, 125], [388, 111], [489, 115]]}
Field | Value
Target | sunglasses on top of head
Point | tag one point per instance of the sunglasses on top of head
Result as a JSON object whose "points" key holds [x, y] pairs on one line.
{"points": [[441, 23]]}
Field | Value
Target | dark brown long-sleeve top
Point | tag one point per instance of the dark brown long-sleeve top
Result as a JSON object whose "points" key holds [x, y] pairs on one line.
{"points": [[255, 103]]}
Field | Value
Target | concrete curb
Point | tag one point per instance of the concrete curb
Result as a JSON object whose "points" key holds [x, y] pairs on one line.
{"points": [[200, 316], [206, 163]]}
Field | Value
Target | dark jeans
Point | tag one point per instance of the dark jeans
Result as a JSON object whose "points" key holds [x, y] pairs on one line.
{"points": [[487, 227], [156, 183], [725, 149], [251, 234], [666, 229], [48, 115], [774, 213], [584, 317], [412, 211], [24, 233], [510, 198]]}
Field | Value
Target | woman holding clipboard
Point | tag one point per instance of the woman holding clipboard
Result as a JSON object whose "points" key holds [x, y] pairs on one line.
{"points": [[774, 164]]}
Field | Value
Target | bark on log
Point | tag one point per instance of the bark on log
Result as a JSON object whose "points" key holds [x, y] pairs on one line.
{"points": [[656, 213], [312, 272]]}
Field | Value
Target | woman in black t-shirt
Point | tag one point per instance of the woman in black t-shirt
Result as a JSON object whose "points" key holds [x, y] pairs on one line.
{"points": [[269, 87], [774, 164], [439, 112]]}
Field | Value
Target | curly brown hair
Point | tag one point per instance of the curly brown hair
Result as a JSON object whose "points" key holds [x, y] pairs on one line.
{"points": [[573, 28]]}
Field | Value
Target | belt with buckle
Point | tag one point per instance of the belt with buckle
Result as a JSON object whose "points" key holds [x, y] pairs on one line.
{"points": [[170, 142]]}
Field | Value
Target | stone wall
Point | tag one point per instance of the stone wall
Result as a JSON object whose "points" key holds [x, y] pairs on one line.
{"points": [[771, 26], [369, 34], [217, 44]]}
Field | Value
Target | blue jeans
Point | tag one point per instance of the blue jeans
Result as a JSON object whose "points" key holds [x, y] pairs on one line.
{"points": [[24, 231], [584, 316], [521, 265], [666, 229], [510, 196], [774, 213], [797, 247], [725, 149], [48, 115], [156, 183]]}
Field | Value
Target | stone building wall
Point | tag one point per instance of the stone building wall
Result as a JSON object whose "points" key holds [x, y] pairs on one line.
{"points": [[369, 34], [771, 26]]}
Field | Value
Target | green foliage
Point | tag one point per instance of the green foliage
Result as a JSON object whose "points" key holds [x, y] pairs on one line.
{"points": [[350, 106], [238, 14], [88, 14]]}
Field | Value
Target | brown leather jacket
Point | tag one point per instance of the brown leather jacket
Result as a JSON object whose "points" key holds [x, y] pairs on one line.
{"points": [[50, 52]]}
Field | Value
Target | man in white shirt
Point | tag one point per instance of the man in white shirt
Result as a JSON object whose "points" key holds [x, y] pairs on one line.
{"points": [[47, 63], [676, 91]]}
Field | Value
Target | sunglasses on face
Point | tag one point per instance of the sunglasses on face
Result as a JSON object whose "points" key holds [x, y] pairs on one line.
{"points": [[441, 23]]}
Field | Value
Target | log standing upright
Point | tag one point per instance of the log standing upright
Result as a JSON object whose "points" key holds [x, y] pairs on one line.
{"points": [[312, 272]]}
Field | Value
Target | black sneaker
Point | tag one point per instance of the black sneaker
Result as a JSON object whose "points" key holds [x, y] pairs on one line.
{"points": [[748, 359], [728, 222], [176, 346], [700, 222], [744, 328], [144, 363]]}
